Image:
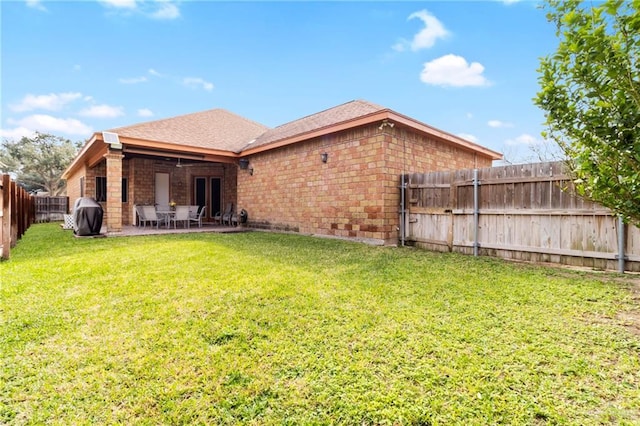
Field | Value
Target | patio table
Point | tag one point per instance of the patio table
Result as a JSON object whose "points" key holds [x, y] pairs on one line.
{"points": [[166, 216]]}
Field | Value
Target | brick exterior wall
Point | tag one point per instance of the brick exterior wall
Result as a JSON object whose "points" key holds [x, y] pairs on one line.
{"points": [[74, 190], [355, 194]]}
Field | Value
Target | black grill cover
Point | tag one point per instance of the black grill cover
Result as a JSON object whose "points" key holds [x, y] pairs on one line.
{"points": [[87, 216]]}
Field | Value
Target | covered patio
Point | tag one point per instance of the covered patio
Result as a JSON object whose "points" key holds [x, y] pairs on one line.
{"points": [[164, 162]]}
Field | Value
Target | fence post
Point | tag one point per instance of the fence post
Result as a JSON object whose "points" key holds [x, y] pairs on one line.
{"points": [[6, 216], [621, 255], [476, 213], [403, 209], [14, 213]]}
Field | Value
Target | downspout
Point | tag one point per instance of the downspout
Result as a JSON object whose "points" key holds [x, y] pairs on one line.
{"points": [[403, 221], [476, 213], [621, 255]]}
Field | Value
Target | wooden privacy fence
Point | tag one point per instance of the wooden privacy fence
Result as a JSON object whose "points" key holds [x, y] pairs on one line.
{"points": [[50, 209], [524, 212], [17, 211]]}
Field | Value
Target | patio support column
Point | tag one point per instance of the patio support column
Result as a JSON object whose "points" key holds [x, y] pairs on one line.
{"points": [[114, 191]]}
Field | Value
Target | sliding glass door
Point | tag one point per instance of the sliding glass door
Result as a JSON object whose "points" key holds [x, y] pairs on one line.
{"points": [[208, 192]]}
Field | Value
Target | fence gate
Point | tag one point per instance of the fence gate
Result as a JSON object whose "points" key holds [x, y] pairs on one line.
{"points": [[50, 209]]}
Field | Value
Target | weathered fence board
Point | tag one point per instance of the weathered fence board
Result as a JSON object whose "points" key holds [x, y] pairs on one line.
{"points": [[51, 209], [526, 212], [17, 210]]}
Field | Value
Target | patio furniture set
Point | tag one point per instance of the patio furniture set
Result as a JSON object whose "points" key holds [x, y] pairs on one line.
{"points": [[165, 215]]}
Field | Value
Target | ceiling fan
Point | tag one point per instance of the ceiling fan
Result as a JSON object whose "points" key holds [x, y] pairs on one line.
{"points": [[180, 164]]}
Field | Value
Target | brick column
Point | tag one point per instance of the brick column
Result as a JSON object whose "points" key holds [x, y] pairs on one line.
{"points": [[114, 191]]}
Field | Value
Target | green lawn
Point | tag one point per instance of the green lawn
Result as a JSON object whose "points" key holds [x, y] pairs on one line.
{"points": [[260, 328]]}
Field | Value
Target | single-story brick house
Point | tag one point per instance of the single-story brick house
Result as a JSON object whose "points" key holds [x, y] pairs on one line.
{"points": [[334, 173]]}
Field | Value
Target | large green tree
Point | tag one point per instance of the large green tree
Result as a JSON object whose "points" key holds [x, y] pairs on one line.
{"points": [[38, 162], [590, 92]]}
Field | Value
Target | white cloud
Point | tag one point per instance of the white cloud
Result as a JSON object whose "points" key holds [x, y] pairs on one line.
{"points": [[166, 10], [400, 46], [427, 36], [133, 80], [196, 82], [468, 137], [523, 139], [452, 70], [191, 82], [145, 112], [46, 123], [469, 115], [17, 133], [50, 102], [36, 4], [433, 30], [158, 9], [120, 4], [102, 111], [496, 124]]}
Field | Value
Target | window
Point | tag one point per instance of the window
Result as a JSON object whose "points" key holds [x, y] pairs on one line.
{"points": [[101, 188], [125, 190]]}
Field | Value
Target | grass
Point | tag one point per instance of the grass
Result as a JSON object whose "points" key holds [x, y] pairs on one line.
{"points": [[260, 328]]}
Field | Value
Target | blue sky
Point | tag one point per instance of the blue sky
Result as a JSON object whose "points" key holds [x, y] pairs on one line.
{"points": [[469, 68]]}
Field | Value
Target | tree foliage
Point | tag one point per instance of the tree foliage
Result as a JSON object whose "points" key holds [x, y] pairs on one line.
{"points": [[38, 162], [590, 92]]}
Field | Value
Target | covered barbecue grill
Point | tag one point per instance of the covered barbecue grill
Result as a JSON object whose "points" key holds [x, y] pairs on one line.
{"points": [[87, 216]]}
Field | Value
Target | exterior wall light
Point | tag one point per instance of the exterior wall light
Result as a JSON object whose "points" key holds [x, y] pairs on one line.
{"points": [[324, 156], [244, 163], [251, 170]]}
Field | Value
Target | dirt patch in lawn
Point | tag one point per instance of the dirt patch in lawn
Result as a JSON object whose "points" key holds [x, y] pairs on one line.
{"points": [[631, 318]]}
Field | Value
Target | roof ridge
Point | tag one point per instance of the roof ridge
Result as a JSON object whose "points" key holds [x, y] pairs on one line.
{"points": [[361, 101], [176, 117]]}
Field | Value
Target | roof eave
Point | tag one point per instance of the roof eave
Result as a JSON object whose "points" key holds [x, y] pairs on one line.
{"points": [[385, 114], [80, 156], [153, 147], [444, 136]]}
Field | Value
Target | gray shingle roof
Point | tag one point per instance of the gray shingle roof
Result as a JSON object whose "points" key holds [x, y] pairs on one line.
{"points": [[213, 129]]}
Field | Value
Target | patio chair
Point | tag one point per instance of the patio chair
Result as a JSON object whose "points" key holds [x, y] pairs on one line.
{"points": [[139, 217], [181, 215], [198, 218], [219, 216], [193, 211], [148, 214], [228, 216]]}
